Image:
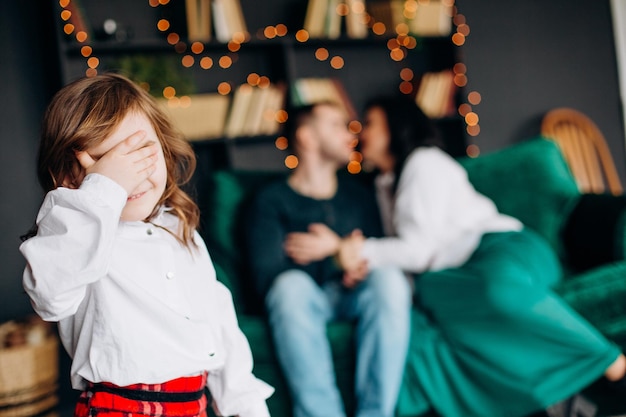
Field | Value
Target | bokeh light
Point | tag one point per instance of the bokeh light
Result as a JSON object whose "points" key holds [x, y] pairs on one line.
{"points": [[291, 161]]}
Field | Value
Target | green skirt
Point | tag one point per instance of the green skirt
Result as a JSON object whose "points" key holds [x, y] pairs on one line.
{"points": [[491, 339]]}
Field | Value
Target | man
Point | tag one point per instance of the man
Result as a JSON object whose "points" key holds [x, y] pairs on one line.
{"points": [[294, 231]]}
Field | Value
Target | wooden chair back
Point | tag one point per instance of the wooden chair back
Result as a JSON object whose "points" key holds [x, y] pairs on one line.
{"points": [[585, 150]]}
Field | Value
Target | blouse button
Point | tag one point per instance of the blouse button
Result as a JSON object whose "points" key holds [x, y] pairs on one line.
{"points": [[211, 354], [149, 232], [170, 275]]}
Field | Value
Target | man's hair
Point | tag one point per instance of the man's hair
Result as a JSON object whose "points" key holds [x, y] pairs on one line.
{"points": [[87, 111], [299, 116]]}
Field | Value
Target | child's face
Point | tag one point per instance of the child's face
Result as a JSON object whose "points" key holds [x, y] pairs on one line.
{"points": [[141, 201]]}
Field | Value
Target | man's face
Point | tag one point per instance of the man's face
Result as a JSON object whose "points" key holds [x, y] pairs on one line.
{"points": [[330, 129]]}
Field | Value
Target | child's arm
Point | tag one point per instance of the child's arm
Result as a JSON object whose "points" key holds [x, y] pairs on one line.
{"points": [[77, 226], [235, 390], [76, 230]]}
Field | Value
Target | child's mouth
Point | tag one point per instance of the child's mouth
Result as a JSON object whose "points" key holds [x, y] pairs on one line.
{"points": [[135, 196]]}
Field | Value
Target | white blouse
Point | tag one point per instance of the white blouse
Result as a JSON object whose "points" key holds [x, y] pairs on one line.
{"points": [[133, 304], [436, 219]]}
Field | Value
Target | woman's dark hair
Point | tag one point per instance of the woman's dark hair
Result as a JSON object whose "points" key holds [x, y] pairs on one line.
{"points": [[409, 127]]}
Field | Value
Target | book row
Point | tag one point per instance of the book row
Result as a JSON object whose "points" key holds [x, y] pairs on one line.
{"points": [[224, 19], [260, 110]]}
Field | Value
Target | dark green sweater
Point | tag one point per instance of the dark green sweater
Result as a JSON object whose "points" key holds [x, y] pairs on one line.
{"points": [[278, 210]]}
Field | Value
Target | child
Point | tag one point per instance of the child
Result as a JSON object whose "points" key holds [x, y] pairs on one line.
{"points": [[116, 260]]}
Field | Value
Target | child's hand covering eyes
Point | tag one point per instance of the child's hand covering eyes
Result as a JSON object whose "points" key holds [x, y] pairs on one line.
{"points": [[128, 163]]}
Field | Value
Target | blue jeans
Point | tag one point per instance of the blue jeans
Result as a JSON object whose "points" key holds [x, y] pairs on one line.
{"points": [[299, 310]]}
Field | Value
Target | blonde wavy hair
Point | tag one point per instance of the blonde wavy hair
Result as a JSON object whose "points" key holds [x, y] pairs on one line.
{"points": [[88, 110]]}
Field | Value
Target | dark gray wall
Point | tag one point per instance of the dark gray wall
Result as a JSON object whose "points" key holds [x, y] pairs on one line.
{"points": [[25, 71], [527, 57]]}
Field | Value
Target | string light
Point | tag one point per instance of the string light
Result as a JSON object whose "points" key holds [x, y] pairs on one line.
{"points": [[225, 61], [379, 28], [474, 97], [169, 92], [354, 167], [472, 151], [281, 143], [253, 78], [291, 161], [398, 46], [355, 127], [337, 62], [163, 25], [197, 48], [224, 88], [206, 62], [302, 35], [187, 61], [281, 116], [322, 54]]}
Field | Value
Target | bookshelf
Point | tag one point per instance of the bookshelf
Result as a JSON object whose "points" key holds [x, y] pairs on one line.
{"points": [[362, 63]]}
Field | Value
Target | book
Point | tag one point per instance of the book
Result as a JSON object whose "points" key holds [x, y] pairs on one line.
{"points": [[315, 90], [388, 12], [315, 18], [431, 19], [258, 104], [238, 111], [435, 93], [333, 20], [203, 119], [356, 26], [228, 19], [270, 124], [198, 13]]}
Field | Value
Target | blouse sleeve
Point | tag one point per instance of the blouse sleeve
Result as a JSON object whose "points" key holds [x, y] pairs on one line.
{"points": [[235, 390], [75, 235], [431, 182]]}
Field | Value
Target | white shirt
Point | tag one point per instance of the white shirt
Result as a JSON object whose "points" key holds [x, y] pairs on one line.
{"points": [[133, 304], [437, 216]]}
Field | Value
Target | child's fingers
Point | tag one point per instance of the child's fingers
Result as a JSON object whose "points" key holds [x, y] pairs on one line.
{"points": [[84, 159], [146, 165], [131, 143], [148, 151]]}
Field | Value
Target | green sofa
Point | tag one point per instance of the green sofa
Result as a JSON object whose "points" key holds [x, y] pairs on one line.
{"points": [[529, 180]]}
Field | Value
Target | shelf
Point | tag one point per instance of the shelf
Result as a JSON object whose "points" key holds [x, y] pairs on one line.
{"points": [[366, 68], [240, 140], [161, 45]]}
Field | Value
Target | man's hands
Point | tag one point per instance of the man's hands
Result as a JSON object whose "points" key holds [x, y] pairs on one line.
{"points": [[320, 242], [128, 163]]}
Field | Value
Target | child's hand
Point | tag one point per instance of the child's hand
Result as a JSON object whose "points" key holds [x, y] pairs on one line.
{"points": [[128, 163]]}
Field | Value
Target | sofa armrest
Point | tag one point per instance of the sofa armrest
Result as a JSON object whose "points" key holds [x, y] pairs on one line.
{"points": [[595, 232]]}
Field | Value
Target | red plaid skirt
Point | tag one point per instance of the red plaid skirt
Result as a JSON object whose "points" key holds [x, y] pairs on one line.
{"points": [[182, 397]]}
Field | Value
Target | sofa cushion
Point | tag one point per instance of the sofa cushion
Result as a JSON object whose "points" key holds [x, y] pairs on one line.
{"points": [[222, 228], [599, 295], [530, 181]]}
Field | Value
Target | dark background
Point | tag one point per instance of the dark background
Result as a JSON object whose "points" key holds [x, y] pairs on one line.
{"points": [[525, 58]]}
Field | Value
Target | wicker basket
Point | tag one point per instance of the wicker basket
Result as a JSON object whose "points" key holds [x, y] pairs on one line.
{"points": [[29, 378]]}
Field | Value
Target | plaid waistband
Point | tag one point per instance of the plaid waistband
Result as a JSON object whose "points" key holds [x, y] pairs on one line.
{"points": [[179, 397], [151, 396]]}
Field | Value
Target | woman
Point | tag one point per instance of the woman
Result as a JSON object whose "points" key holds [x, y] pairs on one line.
{"points": [[489, 336]]}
